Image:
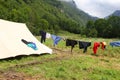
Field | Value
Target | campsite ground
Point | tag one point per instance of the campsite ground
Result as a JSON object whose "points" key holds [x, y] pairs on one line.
{"points": [[62, 65]]}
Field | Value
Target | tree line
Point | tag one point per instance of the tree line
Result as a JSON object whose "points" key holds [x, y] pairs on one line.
{"points": [[106, 28]]}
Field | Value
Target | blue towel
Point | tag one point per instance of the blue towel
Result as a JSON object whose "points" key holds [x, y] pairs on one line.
{"points": [[116, 43], [56, 39]]}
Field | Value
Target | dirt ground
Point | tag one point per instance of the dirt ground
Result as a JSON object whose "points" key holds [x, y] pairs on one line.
{"points": [[11, 75]]}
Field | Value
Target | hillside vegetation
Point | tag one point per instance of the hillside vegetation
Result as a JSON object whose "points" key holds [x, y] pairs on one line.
{"points": [[55, 15], [49, 15], [107, 28]]}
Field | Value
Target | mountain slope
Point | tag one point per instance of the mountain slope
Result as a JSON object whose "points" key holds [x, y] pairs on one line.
{"points": [[116, 13], [50, 15], [72, 11]]}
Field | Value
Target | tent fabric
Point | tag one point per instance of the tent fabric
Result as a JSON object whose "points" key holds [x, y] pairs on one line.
{"points": [[115, 43], [11, 45]]}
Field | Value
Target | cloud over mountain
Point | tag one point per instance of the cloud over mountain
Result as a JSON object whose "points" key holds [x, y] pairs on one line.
{"points": [[99, 8]]}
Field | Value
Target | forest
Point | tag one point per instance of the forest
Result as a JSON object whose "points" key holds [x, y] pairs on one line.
{"points": [[106, 28], [54, 15]]}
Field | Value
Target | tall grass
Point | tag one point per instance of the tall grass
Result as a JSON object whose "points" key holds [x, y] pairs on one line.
{"points": [[75, 68]]}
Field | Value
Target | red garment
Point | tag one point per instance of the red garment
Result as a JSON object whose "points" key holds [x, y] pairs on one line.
{"points": [[96, 45]]}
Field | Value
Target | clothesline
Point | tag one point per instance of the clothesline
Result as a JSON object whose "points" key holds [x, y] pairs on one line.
{"points": [[71, 42]]}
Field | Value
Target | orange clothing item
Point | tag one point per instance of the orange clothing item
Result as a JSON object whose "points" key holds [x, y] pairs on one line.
{"points": [[95, 47], [103, 45]]}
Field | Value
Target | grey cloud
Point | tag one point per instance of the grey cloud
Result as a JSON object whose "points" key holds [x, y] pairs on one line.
{"points": [[99, 8]]}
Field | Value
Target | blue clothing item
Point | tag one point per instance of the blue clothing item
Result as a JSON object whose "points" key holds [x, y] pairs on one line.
{"points": [[116, 43], [32, 45], [56, 39]]}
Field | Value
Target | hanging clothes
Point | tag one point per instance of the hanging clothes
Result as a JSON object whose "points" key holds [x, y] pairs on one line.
{"points": [[30, 44], [103, 46], [95, 47], [56, 39], [43, 36], [71, 43], [84, 45], [48, 35], [115, 43]]}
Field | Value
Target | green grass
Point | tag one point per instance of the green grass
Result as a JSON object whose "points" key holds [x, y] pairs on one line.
{"points": [[74, 67], [66, 66]]}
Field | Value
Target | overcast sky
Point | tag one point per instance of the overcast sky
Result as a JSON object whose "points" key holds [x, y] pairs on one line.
{"points": [[98, 8]]}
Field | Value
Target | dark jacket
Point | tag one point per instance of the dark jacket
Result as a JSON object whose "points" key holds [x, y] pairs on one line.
{"points": [[84, 45], [71, 43]]}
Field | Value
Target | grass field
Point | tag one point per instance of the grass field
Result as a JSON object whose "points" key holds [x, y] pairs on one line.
{"points": [[62, 65]]}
